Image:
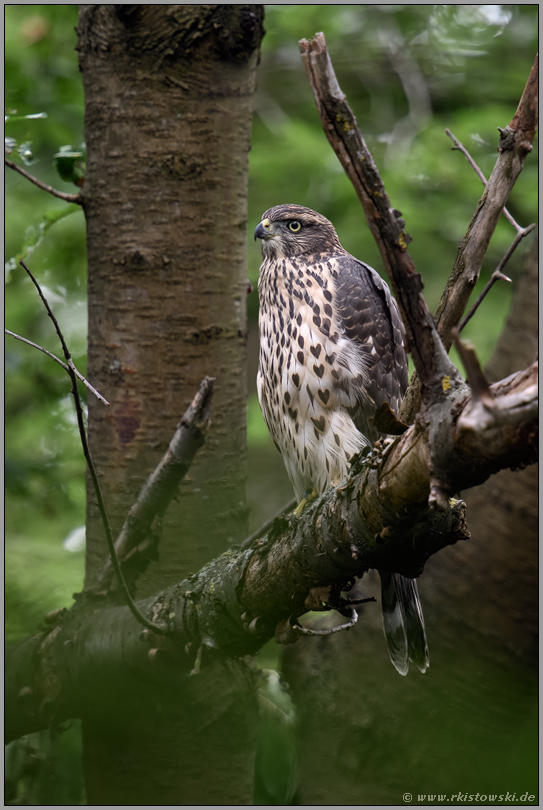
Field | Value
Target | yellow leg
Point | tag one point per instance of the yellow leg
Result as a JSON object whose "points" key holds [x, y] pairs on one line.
{"points": [[309, 498]]}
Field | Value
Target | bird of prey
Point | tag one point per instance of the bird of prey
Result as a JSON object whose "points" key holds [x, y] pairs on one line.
{"points": [[331, 351]]}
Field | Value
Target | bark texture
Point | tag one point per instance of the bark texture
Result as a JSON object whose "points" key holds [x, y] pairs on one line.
{"points": [[167, 116], [168, 110]]}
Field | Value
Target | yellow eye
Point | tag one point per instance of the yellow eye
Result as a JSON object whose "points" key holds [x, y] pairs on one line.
{"points": [[294, 226]]}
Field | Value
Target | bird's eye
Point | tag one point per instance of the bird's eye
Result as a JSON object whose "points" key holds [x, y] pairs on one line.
{"points": [[294, 226]]}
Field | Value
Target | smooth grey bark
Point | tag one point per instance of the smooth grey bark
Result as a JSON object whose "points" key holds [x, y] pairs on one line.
{"points": [[168, 107]]}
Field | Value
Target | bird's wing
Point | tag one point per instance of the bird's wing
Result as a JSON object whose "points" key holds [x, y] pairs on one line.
{"points": [[371, 321]]}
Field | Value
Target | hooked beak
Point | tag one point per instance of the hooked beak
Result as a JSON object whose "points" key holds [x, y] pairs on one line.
{"points": [[262, 230]]}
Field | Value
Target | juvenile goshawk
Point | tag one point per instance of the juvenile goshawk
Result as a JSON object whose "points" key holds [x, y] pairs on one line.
{"points": [[331, 351]]}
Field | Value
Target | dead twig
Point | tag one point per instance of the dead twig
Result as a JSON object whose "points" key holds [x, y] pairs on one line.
{"points": [[514, 144], [62, 195], [83, 435], [476, 379], [59, 361], [328, 631], [459, 147], [491, 408], [156, 494], [498, 273]]}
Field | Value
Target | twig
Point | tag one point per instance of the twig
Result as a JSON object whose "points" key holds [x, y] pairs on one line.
{"points": [[59, 361], [159, 489], [62, 195], [497, 274], [515, 143], [82, 433], [459, 147], [480, 388], [248, 542]]}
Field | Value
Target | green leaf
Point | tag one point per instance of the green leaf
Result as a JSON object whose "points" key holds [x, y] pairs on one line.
{"points": [[71, 164]]}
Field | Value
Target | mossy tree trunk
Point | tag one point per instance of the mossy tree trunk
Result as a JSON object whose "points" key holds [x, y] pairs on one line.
{"points": [[168, 105]]}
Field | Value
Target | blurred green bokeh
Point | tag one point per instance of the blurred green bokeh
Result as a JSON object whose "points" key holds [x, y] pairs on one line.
{"points": [[409, 72]]}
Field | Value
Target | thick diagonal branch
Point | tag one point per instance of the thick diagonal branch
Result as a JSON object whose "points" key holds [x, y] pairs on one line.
{"points": [[378, 518], [341, 129], [159, 489]]}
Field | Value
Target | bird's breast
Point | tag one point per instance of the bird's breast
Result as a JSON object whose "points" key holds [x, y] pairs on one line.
{"points": [[305, 375]]}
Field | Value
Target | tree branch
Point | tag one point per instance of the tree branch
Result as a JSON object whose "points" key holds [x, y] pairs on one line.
{"points": [[459, 147], [86, 452], [497, 274], [515, 143], [430, 359], [59, 361], [339, 123], [266, 526], [377, 518], [62, 195], [161, 486]]}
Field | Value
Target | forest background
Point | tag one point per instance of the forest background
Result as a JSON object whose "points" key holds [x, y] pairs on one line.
{"points": [[409, 71]]}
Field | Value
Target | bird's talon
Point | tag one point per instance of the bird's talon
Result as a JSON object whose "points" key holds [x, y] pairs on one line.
{"points": [[310, 496]]}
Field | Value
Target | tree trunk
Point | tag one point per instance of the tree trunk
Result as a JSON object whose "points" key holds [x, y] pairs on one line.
{"points": [[167, 116], [368, 736]]}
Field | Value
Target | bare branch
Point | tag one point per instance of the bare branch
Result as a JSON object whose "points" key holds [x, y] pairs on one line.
{"points": [[488, 409], [508, 410], [59, 361], [62, 195], [476, 379], [431, 360], [159, 489], [83, 436], [459, 147], [515, 143], [497, 275]]}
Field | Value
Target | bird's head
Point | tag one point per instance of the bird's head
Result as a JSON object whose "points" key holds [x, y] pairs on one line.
{"points": [[292, 230]]}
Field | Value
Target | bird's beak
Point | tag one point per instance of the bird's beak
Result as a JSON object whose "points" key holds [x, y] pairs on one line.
{"points": [[263, 230]]}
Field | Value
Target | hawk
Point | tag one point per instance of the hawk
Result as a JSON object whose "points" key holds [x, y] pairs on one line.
{"points": [[331, 351]]}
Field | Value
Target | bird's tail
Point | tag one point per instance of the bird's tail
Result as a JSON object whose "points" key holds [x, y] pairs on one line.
{"points": [[403, 622]]}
